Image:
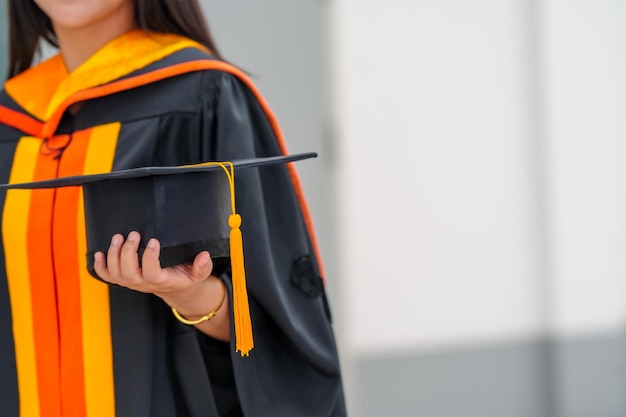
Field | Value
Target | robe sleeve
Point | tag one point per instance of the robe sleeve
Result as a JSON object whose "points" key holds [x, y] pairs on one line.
{"points": [[293, 369]]}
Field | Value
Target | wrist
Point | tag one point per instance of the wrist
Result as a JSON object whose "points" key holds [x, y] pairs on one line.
{"points": [[206, 317], [198, 301]]}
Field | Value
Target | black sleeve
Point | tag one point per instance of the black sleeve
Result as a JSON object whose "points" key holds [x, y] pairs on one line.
{"points": [[293, 369]]}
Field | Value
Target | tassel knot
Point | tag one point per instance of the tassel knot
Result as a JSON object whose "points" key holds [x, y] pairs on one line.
{"points": [[234, 221]]}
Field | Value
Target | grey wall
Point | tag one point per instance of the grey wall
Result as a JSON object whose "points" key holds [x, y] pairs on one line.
{"points": [[3, 40], [575, 377]]}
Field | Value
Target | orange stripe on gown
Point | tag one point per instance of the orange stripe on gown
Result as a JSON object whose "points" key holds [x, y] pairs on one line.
{"points": [[65, 247], [97, 344], [15, 218], [43, 288], [84, 310], [61, 315]]}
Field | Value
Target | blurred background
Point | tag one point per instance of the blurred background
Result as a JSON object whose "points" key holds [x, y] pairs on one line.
{"points": [[469, 196]]}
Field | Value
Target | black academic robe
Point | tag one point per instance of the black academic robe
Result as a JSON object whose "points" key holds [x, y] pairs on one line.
{"points": [[71, 345]]}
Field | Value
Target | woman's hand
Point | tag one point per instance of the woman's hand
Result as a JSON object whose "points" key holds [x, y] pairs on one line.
{"points": [[190, 289]]}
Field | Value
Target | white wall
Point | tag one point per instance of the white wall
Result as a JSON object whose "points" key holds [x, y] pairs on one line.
{"points": [[435, 188], [481, 181]]}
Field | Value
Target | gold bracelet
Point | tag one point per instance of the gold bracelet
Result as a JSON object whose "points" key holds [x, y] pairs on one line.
{"points": [[202, 319]]}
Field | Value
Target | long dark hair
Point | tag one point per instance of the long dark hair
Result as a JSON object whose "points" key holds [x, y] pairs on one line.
{"points": [[28, 24]]}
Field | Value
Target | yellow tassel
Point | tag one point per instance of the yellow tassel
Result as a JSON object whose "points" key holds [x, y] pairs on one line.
{"points": [[241, 308]]}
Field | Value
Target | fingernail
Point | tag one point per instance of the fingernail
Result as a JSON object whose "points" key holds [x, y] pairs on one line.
{"points": [[116, 240], [152, 243], [133, 236]]}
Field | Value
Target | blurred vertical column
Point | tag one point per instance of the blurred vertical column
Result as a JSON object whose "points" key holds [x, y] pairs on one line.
{"points": [[583, 72], [584, 65], [3, 40]]}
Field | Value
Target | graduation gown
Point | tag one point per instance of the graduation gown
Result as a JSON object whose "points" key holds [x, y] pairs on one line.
{"points": [[71, 345]]}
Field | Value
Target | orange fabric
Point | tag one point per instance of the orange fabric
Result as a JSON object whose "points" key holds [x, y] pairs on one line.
{"points": [[14, 236], [43, 291], [20, 121], [64, 241], [40, 89], [94, 294], [32, 92], [51, 291]]}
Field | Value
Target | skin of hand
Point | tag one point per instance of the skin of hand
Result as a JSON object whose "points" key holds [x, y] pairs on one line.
{"points": [[190, 289]]}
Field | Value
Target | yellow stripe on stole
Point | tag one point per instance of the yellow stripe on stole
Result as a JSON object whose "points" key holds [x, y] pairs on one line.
{"points": [[14, 234], [94, 295]]}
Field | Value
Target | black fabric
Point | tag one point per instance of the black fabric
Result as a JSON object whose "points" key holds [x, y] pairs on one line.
{"points": [[219, 367], [8, 135], [8, 102], [9, 398], [303, 276]]}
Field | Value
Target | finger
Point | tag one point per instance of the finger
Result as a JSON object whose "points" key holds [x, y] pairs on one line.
{"points": [[100, 267], [113, 255], [129, 261], [150, 264], [202, 266]]}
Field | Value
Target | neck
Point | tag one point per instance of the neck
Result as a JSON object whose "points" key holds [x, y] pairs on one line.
{"points": [[76, 45]]}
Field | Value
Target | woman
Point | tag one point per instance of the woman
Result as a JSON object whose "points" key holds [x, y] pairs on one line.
{"points": [[139, 83]]}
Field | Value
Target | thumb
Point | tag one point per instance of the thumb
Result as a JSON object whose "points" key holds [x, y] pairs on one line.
{"points": [[202, 266]]}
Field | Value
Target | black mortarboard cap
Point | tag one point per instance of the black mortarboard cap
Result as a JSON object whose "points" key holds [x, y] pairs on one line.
{"points": [[187, 208]]}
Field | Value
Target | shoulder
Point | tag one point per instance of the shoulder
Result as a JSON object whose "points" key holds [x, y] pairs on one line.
{"points": [[190, 61], [192, 72]]}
